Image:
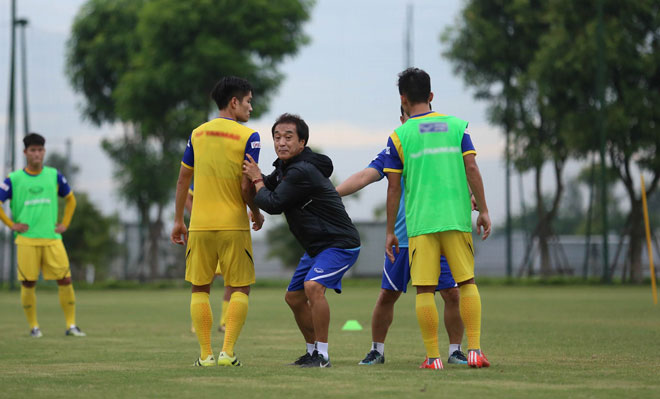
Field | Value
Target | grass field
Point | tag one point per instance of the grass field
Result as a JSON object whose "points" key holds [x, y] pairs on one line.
{"points": [[543, 342]]}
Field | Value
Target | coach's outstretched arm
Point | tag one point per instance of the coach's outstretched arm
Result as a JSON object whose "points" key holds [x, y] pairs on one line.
{"points": [[289, 192], [358, 181], [477, 186]]}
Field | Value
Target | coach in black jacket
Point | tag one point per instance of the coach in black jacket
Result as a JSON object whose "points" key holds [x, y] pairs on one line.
{"points": [[300, 187]]}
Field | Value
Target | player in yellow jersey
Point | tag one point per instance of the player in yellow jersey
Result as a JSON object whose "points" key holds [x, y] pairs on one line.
{"points": [[33, 192], [214, 155]]}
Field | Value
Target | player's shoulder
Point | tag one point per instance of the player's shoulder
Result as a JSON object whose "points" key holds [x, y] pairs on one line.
{"points": [[14, 173], [51, 172], [454, 119], [224, 126]]}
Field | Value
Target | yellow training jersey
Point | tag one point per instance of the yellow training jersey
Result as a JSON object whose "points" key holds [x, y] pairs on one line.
{"points": [[215, 152]]}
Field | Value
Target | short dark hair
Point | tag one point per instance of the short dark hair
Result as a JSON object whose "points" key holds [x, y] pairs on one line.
{"points": [[415, 85], [228, 88], [301, 127], [34, 139]]}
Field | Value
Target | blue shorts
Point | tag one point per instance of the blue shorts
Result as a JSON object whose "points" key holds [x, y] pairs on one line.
{"points": [[327, 268], [396, 276]]}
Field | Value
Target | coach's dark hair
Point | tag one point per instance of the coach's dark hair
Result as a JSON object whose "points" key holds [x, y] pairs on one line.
{"points": [[301, 127], [34, 139], [415, 84], [228, 88]]}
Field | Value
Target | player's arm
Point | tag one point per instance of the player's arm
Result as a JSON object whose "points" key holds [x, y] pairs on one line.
{"points": [[5, 219], [188, 204], [179, 231], [18, 227], [248, 191], [392, 209], [64, 191], [5, 194], [69, 208], [358, 181], [393, 166], [477, 186], [249, 184]]}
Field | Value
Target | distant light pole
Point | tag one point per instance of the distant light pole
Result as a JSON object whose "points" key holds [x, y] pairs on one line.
{"points": [[22, 23], [10, 150], [409, 36]]}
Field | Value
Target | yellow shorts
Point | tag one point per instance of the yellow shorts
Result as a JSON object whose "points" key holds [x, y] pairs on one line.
{"points": [[51, 260], [228, 252], [424, 254]]}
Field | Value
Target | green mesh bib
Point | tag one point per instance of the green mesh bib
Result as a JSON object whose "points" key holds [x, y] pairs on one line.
{"points": [[436, 188], [34, 202]]}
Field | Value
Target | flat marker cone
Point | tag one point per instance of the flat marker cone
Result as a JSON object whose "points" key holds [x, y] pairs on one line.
{"points": [[352, 325]]}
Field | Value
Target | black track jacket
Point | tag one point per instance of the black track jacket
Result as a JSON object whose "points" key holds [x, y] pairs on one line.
{"points": [[301, 189]]}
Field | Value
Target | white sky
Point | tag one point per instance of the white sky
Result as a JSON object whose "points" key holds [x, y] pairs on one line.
{"points": [[343, 84]]}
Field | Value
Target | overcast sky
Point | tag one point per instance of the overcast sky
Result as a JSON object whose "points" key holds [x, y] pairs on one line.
{"points": [[343, 84]]}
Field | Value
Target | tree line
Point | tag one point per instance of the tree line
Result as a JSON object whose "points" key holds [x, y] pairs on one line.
{"points": [[536, 65]]}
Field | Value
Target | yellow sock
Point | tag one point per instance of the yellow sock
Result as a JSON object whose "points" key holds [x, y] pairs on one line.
{"points": [[427, 317], [68, 303], [471, 314], [236, 314], [202, 319], [223, 316], [29, 302]]}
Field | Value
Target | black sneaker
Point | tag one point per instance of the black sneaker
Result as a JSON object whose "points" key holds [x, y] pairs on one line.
{"points": [[317, 360], [457, 357], [373, 357], [301, 360]]}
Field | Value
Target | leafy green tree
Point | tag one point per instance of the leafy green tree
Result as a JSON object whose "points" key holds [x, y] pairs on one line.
{"points": [[150, 64], [91, 239], [568, 62], [492, 48]]}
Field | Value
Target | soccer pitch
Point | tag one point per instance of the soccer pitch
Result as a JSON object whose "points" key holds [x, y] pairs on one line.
{"points": [[542, 341]]}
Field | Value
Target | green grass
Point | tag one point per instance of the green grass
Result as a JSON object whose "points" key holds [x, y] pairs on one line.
{"points": [[543, 342]]}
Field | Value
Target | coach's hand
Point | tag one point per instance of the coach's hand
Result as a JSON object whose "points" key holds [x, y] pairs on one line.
{"points": [[20, 227], [179, 233], [251, 169], [391, 241], [483, 220], [60, 228], [257, 220]]}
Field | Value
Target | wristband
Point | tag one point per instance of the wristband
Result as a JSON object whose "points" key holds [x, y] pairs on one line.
{"points": [[255, 181]]}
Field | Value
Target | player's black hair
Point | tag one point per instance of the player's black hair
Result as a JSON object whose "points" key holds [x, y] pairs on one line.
{"points": [[34, 139], [415, 84], [228, 88], [301, 127]]}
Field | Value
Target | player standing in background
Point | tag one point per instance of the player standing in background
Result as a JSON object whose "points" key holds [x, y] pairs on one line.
{"points": [[218, 272], [396, 275], [300, 187], [33, 192], [214, 155], [435, 155]]}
